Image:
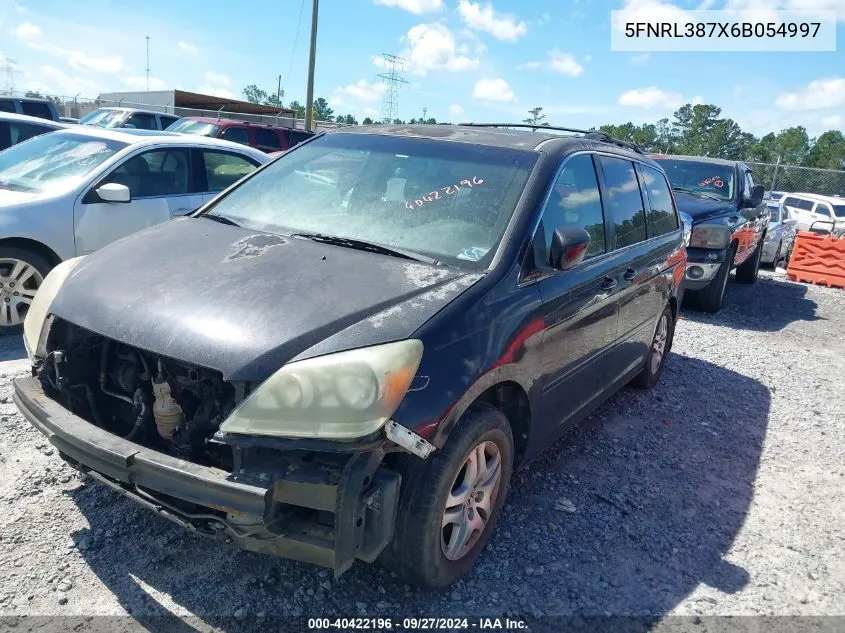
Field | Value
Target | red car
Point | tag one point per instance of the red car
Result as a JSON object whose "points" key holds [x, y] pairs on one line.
{"points": [[267, 138]]}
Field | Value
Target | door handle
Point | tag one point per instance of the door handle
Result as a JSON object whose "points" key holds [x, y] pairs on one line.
{"points": [[629, 275], [609, 283]]}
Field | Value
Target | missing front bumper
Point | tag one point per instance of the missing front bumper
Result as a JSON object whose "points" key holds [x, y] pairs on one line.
{"points": [[306, 511]]}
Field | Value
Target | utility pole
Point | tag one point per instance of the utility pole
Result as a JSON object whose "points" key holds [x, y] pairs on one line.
{"points": [[775, 175], [8, 66], [279, 92], [425, 111], [148, 62], [312, 58], [393, 78]]}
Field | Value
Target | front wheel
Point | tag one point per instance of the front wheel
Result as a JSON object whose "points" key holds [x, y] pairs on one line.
{"points": [[710, 297], [21, 274], [449, 503], [746, 273]]}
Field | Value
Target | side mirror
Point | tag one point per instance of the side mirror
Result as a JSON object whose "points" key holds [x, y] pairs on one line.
{"points": [[686, 219], [755, 198], [114, 192], [569, 246]]}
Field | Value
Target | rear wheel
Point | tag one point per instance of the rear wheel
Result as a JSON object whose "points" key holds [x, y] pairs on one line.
{"points": [[746, 273], [21, 274], [777, 256], [450, 502], [660, 345]]}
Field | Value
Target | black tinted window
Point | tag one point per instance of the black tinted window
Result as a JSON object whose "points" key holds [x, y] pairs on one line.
{"points": [[33, 108], [20, 132], [661, 213], [158, 173], [223, 169], [297, 137], [167, 121], [7, 105], [236, 135], [267, 139], [805, 205], [141, 122], [4, 135], [822, 209], [575, 202], [624, 201]]}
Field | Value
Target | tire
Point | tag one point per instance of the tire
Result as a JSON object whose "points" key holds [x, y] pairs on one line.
{"points": [[418, 550], [661, 344], [21, 273], [788, 255], [710, 298], [777, 256], [746, 273]]}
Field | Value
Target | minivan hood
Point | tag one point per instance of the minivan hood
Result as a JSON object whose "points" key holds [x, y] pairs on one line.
{"points": [[701, 208], [9, 198], [244, 302]]}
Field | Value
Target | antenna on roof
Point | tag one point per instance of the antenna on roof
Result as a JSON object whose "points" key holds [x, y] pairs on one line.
{"points": [[148, 62]]}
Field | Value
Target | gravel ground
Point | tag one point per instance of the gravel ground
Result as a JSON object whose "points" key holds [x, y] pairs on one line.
{"points": [[719, 492]]}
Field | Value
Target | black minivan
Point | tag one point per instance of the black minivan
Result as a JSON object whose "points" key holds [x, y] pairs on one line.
{"points": [[345, 355]]}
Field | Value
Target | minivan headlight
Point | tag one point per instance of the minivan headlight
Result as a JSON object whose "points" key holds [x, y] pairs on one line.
{"points": [[33, 324], [710, 236], [339, 396]]}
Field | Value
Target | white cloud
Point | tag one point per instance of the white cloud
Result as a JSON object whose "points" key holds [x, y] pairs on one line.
{"points": [[216, 79], [433, 47], [455, 110], [26, 31], [649, 11], [51, 80], [370, 112], [818, 95], [810, 7], [502, 26], [140, 83], [650, 98], [565, 63], [82, 61], [544, 19], [417, 7], [362, 90], [493, 90], [832, 121], [529, 66], [188, 47]]}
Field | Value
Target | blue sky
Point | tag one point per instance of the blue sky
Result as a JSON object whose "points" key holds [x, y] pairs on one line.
{"points": [[467, 59]]}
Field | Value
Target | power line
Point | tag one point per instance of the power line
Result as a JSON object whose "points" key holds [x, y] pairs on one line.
{"points": [[8, 67], [295, 40], [393, 78]]}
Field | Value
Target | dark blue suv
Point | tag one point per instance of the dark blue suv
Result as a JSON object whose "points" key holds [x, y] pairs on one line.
{"points": [[346, 354]]}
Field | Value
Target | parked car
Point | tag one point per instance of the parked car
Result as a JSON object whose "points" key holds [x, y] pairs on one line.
{"points": [[128, 117], [780, 236], [773, 196], [345, 355], [729, 223], [17, 128], [73, 191], [823, 213], [30, 106], [267, 138]]}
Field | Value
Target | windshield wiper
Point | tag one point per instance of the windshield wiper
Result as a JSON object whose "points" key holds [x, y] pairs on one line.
{"points": [[219, 218], [362, 245], [694, 192]]}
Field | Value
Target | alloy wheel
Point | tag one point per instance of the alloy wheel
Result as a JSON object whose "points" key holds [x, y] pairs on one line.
{"points": [[19, 281], [471, 500], [658, 347]]}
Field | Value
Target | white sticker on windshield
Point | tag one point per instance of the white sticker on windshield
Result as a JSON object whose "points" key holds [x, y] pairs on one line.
{"points": [[473, 254]]}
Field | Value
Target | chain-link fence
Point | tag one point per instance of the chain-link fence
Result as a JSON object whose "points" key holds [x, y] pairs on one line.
{"points": [[827, 182], [77, 107]]}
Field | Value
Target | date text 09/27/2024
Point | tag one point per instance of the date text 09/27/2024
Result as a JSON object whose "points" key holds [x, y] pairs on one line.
{"points": [[416, 624]]}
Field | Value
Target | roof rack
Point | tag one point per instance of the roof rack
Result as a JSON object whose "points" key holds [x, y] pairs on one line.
{"points": [[593, 135]]}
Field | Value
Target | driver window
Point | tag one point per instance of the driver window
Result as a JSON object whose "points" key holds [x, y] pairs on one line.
{"points": [[157, 173], [749, 184], [575, 202]]}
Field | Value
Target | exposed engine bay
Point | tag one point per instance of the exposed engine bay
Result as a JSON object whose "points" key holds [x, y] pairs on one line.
{"points": [[151, 400]]}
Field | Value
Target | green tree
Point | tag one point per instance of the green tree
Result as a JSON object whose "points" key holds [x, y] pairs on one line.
{"points": [[535, 117], [322, 111], [254, 94], [348, 119], [298, 108], [367, 121], [828, 151], [34, 94]]}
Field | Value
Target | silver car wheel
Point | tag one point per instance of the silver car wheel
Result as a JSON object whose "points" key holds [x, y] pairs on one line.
{"points": [[18, 283], [658, 347], [471, 499]]}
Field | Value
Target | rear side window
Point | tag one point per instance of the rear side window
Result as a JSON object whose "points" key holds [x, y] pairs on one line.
{"points": [[223, 169], [790, 202], [575, 202], [236, 135], [662, 218], [7, 105], [823, 209], [4, 135], [167, 121], [33, 108], [804, 205], [267, 140], [624, 203], [20, 132], [141, 121]]}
